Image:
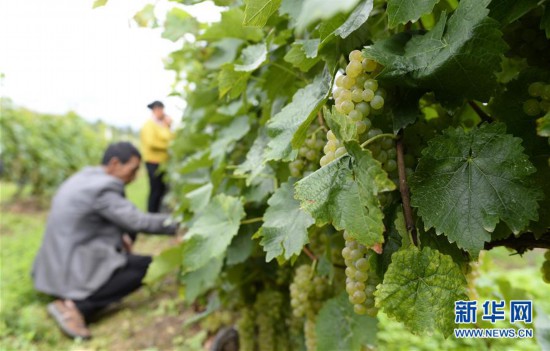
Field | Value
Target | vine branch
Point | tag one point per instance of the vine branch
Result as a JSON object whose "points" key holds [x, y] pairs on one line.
{"points": [[405, 194], [321, 120], [484, 117], [526, 241], [309, 253]]}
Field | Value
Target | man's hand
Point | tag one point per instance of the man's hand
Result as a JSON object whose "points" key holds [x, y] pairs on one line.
{"points": [[127, 243], [167, 120]]}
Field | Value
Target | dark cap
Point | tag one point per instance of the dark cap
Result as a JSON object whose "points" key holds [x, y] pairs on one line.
{"points": [[154, 104]]}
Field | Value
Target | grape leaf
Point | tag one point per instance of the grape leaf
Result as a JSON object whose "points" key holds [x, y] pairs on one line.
{"points": [[227, 137], [542, 329], [466, 182], [252, 57], [212, 231], [163, 263], [178, 22], [146, 16], [297, 57], [507, 11], [339, 328], [225, 52], [286, 128], [356, 19], [420, 289], [341, 126], [241, 246], [232, 82], [403, 11], [310, 46], [344, 193], [314, 10], [284, 231], [257, 12], [457, 57], [406, 111], [200, 197], [253, 165], [231, 26], [198, 282], [99, 3], [292, 8]]}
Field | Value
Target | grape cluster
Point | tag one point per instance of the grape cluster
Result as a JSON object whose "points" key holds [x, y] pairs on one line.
{"points": [[361, 282], [216, 320], [307, 155], [268, 309], [310, 334], [545, 269], [540, 99], [307, 293], [246, 328]]}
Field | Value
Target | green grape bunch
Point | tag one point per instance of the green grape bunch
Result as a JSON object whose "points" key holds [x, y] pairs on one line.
{"points": [[539, 103], [308, 156], [361, 282]]}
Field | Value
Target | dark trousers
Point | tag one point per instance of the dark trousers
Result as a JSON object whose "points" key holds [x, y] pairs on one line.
{"points": [[124, 281], [157, 187]]}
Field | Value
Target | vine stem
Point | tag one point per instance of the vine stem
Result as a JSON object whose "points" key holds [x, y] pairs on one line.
{"points": [[321, 120], [252, 220], [379, 136], [309, 253], [405, 194], [484, 117]]}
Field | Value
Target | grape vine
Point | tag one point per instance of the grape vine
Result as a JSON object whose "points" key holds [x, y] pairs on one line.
{"points": [[329, 158]]}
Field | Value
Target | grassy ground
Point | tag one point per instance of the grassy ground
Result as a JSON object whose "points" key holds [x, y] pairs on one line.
{"points": [[150, 319], [153, 319]]}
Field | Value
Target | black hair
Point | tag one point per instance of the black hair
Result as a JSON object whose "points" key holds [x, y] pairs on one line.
{"points": [[122, 150], [154, 104]]}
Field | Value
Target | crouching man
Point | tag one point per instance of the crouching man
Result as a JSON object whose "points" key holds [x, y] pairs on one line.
{"points": [[85, 260]]}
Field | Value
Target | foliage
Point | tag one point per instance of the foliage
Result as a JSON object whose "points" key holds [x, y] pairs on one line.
{"points": [[41, 150], [429, 95]]}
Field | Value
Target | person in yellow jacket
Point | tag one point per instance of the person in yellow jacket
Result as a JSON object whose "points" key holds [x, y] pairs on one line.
{"points": [[155, 137]]}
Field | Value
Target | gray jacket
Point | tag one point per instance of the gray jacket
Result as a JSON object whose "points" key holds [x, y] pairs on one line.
{"points": [[82, 245]]}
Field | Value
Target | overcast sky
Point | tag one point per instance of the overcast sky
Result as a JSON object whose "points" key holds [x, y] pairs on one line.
{"points": [[60, 55]]}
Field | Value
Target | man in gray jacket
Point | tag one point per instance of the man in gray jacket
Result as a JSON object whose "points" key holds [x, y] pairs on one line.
{"points": [[85, 260]]}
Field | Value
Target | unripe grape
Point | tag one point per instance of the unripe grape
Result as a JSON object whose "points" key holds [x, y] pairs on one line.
{"points": [[310, 143], [350, 272], [319, 144], [387, 143], [347, 107], [324, 161], [364, 108], [361, 127], [330, 156], [531, 107], [359, 297], [377, 102], [329, 146], [390, 166], [374, 148], [345, 95], [367, 95], [336, 93], [354, 68], [362, 264], [346, 253], [369, 65], [359, 309], [544, 105], [341, 151], [330, 135], [535, 89], [311, 155], [360, 276], [356, 254], [382, 156], [546, 92], [392, 153], [303, 150], [357, 95], [340, 81], [360, 80], [371, 84], [348, 82], [355, 115], [355, 55]]}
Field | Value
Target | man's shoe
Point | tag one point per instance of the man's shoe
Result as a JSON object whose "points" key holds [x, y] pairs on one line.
{"points": [[227, 339], [69, 319]]}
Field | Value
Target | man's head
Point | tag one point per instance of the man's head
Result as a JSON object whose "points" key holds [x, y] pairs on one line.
{"points": [[122, 160], [158, 109]]}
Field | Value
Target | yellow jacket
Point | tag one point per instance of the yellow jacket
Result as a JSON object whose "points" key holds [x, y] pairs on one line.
{"points": [[155, 138]]}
